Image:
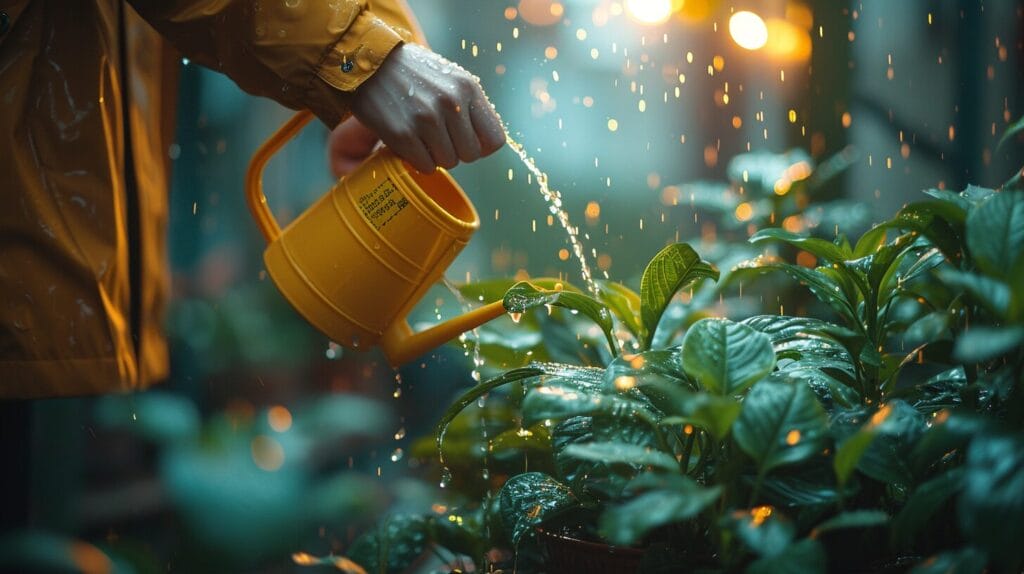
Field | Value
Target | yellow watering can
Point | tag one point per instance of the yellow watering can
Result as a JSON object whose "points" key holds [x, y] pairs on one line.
{"points": [[357, 261]]}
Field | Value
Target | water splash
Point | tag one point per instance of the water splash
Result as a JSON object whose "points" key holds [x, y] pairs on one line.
{"points": [[554, 199]]}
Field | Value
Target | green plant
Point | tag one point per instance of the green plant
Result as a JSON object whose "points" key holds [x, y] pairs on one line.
{"points": [[751, 444]]}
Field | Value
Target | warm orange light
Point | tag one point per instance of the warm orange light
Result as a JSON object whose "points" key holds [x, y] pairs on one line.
{"points": [[267, 453], [744, 211], [279, 418], [649, 11], [787, 41], [540, 12], [748, 30]]}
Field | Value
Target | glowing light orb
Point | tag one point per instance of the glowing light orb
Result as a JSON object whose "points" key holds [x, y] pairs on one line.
{"points": [[748, 30], [649, 11]]}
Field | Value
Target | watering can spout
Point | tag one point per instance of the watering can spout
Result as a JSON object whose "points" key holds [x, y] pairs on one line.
{"points": [[356, 262], [401, 345]]}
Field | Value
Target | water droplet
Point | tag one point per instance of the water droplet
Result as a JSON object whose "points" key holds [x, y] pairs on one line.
{"points": [[446, 477], [475, 374], [355, 341], [515, 316], [397, 455], [412, 90]]}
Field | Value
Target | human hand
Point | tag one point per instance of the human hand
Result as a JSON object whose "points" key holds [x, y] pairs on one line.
{"points": [[428, 110], [349, 145]]}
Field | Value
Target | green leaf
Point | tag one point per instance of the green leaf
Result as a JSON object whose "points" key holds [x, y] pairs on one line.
{"points": [[929, 327], [984, 343], [991, 507], [396, 542], [853, 519], [995, 232], [622, 453], [822, 286], [1011, 132], [922, 505], [680, 499], [672, 269], [560, 401], [470, 396], [713, 413], [726, 357], [992, 294], [804, 557], [535, 438], [818, 247], [524, 296], [964, 561], [528, 499], [850, 451], [625, 303], [763, 530], [780, 424]]}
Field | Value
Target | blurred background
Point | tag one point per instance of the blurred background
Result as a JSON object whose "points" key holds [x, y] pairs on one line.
{"points": [[270, 440]]}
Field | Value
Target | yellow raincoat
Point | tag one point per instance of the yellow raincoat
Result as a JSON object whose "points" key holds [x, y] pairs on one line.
{"points": [[87, 90]]}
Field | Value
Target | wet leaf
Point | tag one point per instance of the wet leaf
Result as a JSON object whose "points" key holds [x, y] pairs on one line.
{"points": [[826, 289], [625, 303], [470, 396], [995, 232], [528, 499], [677, 500], [762, 529], [524, 296], [922, 505], [991, 507], [992, 294], [984, 343], [780, 424], [713, 413], [673, 268], [964, 561], [560, 401], [396, 542], [853, 519], [818, 247], [804, 557], [726, 357], [622, 453], [535, 438]]}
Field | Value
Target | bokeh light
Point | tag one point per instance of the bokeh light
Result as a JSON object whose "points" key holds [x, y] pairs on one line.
{"points": [[748, 30], [649, 11]]}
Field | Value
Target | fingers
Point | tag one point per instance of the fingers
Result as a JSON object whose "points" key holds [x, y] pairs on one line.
{"points": [[463, 136], [487, 126], [434, 133]]}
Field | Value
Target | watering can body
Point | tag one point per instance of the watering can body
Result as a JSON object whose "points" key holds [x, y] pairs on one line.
{"points": [[359, 259]]}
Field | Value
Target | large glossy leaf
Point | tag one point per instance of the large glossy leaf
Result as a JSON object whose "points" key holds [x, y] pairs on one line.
{"points": [[622, 453], [528, 499], [524, 296], [780, 424], [762, 529], [676, 499], [394, 544], [625, 303], [822, 286], [713, 413], [853, 519], [672, 269], [995, 232], [726, 357], [922, 505], [896, 428], [991, 507], [559, 401], [804, 557], [536, 438], [850, 451], [992, 294], [820, 248], [984, 343], [480, 390]]}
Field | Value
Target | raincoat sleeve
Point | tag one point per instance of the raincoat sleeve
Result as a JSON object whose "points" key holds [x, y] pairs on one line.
{"points": [[306, 54]]}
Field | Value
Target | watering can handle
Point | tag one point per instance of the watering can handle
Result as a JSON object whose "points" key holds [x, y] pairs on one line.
{"points": [[399, 343], [254, 176]]}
